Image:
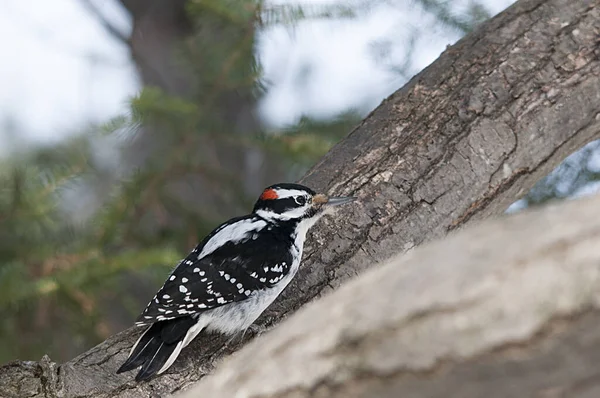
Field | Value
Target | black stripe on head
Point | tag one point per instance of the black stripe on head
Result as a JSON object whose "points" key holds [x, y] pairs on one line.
{"points": [[277, 206]]}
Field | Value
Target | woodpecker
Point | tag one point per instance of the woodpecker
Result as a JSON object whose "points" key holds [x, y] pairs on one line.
{"points": [[230, 278]]}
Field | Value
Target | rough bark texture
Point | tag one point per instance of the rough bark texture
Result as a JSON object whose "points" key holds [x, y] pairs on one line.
{"points": [[464, 139], [510, 308]]}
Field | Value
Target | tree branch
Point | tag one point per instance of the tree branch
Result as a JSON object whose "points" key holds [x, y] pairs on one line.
{"points": [[460, 142], [508, 308]]}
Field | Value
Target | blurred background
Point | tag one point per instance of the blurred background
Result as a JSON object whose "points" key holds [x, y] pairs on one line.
{"points": [[130, 128]]}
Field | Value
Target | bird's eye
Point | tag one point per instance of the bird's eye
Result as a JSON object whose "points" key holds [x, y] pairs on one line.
{"points": [[300, 200]]}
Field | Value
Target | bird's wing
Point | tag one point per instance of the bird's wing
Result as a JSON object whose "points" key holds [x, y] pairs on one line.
{"points": [[231, 272]]}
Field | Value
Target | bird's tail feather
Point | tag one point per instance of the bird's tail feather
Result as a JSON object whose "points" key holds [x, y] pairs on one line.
{"points": [[161, 360], [159, 346]]}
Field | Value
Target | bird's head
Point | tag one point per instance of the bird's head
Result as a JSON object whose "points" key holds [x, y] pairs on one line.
{"points": [[282, 202]]}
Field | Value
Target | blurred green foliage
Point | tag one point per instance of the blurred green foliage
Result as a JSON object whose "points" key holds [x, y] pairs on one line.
{"points": [[90, 227]]}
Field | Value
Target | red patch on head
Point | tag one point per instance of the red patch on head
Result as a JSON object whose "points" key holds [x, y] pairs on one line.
{"points": [[269, 194]]}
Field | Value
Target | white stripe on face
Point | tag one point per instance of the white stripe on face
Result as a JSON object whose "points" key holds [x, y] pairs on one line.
{"points": [[287, 193]]}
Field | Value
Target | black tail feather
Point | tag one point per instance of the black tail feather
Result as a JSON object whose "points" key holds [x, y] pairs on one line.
{"points": [[153, 364], [156, 346], [148, 344]]}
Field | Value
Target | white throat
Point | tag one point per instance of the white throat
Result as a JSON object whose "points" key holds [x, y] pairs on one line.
{"points": [[302, 229]]}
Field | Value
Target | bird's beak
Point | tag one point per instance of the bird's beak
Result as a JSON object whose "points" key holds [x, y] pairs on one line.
{"points": [[335, 201]]}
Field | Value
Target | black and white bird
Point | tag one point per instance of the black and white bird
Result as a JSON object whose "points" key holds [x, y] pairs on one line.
{"points": [[230, 278]]}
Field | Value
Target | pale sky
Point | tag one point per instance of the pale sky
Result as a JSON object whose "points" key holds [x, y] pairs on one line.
{"points": [[60, 70]]}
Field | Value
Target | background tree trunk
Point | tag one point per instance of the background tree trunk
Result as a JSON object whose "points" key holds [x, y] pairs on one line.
{"points": [[506, 309], [464, 139], [159, 29], [168, 56]]}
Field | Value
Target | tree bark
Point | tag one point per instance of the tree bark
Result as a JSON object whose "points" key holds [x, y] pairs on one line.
{"points": [[509, 308], [465, 138]]}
